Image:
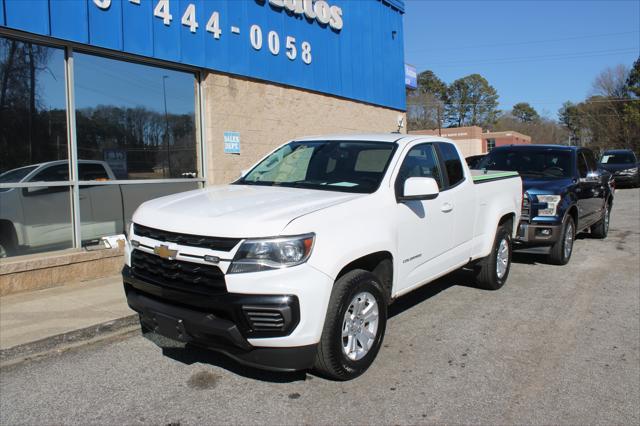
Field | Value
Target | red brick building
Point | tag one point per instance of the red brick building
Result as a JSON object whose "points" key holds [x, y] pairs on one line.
{"points": [[473, 141]]}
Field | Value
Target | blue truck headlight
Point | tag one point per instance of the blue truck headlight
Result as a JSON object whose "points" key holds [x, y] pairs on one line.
{"points": [[552, 202], [273, 253], [628, 172]]}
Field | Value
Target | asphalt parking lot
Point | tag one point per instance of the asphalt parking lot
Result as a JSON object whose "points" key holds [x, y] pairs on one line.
{"points": [[557, 345]]}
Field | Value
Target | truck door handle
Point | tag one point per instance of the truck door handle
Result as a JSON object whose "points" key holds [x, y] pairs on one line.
{"points": [[446, 207]]}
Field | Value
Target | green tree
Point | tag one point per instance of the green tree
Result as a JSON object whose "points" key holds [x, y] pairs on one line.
{"points": [[471, 101], [525, 113], [425, 104]]}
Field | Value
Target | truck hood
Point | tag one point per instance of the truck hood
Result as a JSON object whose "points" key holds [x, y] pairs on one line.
{"points": [[546, 186], [237, 211], [617, 167]]}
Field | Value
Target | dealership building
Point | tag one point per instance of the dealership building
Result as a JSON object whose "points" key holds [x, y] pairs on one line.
{"points": [[105, 104]]}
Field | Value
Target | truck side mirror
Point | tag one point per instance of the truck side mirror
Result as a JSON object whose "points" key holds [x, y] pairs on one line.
{"points": [[419, 188]]}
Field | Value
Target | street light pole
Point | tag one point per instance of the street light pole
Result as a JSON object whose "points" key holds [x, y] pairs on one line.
{"points": [[166, 130]]}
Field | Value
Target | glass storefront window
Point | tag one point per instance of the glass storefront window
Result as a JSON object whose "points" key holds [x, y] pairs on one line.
{"points": [[139, 119], [33, 123], [133, 121], [35, 219]]}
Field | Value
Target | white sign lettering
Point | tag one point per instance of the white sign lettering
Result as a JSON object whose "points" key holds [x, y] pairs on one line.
{"points": [[318, 10]]}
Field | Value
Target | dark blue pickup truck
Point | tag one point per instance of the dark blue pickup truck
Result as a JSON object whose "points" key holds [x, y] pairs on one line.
{"points": [[564, 192]]}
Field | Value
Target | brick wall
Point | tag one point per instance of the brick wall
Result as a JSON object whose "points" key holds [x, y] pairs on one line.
{"points": [[268, 115]]}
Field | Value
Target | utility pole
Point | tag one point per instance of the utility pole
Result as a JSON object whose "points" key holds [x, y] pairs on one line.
{"points": [[166, 130]]}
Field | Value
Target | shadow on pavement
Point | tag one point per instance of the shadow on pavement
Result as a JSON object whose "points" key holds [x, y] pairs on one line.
{"points": [[462, 277], [188, 354]]}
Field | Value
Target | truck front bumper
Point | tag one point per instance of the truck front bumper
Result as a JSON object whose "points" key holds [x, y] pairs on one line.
{"points": [[226, 322], [538, 233]]}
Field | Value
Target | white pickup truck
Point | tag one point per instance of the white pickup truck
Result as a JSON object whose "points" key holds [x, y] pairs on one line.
{"points": [[293, 265]]}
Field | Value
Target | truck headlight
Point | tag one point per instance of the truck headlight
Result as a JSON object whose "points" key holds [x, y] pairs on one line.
{"points": [[552, 204], [632, 171], [274, 253]]}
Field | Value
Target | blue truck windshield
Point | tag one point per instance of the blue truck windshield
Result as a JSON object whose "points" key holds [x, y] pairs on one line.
{"points": [[532, 163]]}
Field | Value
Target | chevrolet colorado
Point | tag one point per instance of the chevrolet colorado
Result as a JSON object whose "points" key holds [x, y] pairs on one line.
{"points": [[293, 265]]}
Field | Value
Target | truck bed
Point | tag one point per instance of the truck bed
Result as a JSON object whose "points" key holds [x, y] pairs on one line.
{"points": [[482, 176]]}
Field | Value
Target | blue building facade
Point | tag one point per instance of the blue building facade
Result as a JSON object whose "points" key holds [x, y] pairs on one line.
{"points": [[105, 104], [352, 49]]}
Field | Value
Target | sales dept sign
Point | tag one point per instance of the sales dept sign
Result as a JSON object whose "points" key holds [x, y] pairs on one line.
{"points": [[232, 142]]}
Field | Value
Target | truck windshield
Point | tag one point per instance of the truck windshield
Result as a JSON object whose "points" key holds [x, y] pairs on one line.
{"points": [[346, 166], [16, 175], [533, 163], [618, 158]]}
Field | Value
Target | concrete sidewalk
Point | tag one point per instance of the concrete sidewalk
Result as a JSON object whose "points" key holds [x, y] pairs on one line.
{"points": [[42, 320]]}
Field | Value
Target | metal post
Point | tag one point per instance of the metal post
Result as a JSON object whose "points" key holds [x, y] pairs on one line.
{"points": [[73, 149], [166, 123]]}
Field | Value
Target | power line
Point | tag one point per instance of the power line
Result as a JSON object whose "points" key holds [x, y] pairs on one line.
{"points": [[541, 57], [518, 43]]}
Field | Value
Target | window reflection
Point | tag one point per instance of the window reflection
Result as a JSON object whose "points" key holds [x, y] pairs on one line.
{"points": [[33, 125], [138, 119]]}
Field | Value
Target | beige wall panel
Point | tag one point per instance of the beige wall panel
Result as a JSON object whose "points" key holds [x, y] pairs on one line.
{"points": [[268, 115]]}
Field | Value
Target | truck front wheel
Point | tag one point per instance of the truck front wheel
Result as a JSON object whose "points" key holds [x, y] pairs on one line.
{"points": [[561, 250], [494, 269], [354, 326]]}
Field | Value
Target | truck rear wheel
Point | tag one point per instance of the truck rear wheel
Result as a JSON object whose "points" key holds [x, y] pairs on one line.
{"points": [[560, 252], [354, 326], [494, 269]]}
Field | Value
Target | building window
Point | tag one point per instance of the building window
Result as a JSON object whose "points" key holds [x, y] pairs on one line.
{"points": [[139, 119], [136, 138], [491, 143], [33, 149]]}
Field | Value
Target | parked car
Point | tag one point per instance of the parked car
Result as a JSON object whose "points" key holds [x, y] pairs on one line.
{"points": [[473, 160], [293, 265], [623, 164], [565, 193], [38, 218]]}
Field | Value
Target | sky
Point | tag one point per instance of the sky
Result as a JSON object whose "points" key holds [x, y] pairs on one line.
{"points": [[543, 52]]}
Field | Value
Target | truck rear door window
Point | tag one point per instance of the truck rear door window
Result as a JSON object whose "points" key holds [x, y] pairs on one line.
{"points": [[452, 163]]}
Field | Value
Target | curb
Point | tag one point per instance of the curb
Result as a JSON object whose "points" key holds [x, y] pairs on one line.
{"points": [[68, 340]]}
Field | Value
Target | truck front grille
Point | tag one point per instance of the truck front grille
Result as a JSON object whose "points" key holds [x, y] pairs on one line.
{"points": [[176, 274], [526, 208], [213, 243]]}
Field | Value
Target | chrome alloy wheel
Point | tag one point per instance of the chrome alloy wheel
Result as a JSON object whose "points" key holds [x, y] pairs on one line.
{"points": [[568, 240], [359, 326], [502, 258]]}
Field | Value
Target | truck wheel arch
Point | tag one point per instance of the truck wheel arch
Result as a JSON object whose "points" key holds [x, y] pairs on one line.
{"points": [[509, 219], [379, 264]]}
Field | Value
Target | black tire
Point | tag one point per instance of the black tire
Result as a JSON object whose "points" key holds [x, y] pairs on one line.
{"points": [[487, 275], [8, 241], [601, 229], [331, 360], [558, 255]]}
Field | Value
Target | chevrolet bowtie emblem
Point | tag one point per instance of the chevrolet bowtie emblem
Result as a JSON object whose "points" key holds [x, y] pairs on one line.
{"points": [[165, 252]]}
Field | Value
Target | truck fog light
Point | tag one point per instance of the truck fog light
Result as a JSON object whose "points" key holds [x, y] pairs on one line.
{"points": [[545, 232]]}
